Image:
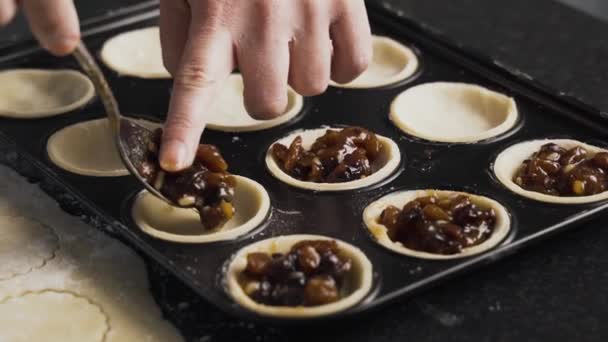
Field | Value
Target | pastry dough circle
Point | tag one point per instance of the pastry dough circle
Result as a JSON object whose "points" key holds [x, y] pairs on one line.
{"points": [[379, 232], [136, 53], [453, 112], [159, 219], [508, 162], [392, 62], [388, 162], [85, 264], [25, 245], [362, 273], [37, 93], [88, 149], [53, 316], [228, 113]]}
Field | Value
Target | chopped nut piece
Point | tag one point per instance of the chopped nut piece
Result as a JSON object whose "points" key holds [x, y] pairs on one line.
{"points": [[187, 201], [252, 287], [160, 180]]}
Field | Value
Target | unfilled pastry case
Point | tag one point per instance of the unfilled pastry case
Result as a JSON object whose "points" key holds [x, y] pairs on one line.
{"points": [[106, 202]]}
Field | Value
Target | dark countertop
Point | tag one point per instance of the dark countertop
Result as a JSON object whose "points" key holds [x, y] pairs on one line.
{"points": [[561, 47], [554, 291], [88, 12]]}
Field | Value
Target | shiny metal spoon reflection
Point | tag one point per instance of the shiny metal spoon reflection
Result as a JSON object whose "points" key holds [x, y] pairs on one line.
{"points": [[131, 138]]}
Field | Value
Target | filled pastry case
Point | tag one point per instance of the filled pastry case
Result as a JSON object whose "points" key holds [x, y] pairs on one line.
{"points": [[477, 124]]}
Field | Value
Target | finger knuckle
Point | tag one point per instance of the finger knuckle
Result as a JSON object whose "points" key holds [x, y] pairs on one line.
{"points": [[215, 14], [177, 123], [266, 10], [311, 11], [193, 76], [342, 8]]}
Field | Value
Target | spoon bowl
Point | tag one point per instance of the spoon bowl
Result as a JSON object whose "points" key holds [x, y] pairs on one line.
{"points": [[131, 138]]}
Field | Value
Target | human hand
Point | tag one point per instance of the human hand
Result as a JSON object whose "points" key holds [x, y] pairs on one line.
{"points": [[53, 22], [274, 43]]}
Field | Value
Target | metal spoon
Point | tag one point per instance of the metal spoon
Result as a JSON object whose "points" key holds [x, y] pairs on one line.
{"points": [[131, 138]]}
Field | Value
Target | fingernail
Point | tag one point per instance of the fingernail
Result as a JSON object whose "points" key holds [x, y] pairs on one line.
{"points": [[174, 156]]}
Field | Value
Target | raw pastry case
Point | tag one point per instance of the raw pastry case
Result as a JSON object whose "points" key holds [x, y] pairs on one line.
{"points": [[105, 202]]}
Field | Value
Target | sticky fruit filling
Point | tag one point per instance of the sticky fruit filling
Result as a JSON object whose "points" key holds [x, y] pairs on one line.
{"points": [[557, 171], [206, 185], [439, 225], [337, 156], [312, 273]]}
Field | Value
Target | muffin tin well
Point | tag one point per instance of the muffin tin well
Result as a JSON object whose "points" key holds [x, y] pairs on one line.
{"points": [[424, 165], [228, 113], [453, 112], [392, 63], [29, 93], [358, 281], [383, 167], [398, 199], [163, 221]]}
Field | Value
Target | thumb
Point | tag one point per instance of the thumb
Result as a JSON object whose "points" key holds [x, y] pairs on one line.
{"points": [[8, 9], [54, 23]]}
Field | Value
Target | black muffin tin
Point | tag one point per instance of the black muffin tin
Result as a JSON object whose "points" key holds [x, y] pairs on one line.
{"points": [[106, 202]]}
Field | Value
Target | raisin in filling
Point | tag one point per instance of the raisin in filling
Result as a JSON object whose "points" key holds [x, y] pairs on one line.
{"points": [[312, 273], [206, 185], [439, 225], [555, 171], [335, 157]]}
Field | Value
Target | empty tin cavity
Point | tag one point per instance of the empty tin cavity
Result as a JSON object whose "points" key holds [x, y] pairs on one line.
{"points": [[453, 112], [392, 62]]}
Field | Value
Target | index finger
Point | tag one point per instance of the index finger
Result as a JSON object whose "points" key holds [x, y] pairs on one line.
{"points": [[207, 60]]}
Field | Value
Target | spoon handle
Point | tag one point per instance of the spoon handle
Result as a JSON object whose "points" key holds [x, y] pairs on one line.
{"points": [[88, 64]]}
